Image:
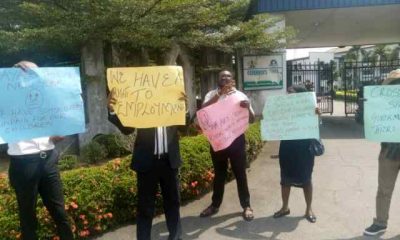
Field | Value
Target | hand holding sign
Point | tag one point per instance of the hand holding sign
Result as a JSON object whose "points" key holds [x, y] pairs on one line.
{"points": [[25, 65], [184, 98], [228, 88], [111, 100], [245, 104], [56, 139]]}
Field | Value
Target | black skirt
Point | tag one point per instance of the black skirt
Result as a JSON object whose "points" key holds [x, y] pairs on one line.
{"points": [[296, 162]]}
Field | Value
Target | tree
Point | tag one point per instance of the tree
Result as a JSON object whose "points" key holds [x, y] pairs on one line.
{"points": [[155, 31], [395, 53], [354, 54], [155, 24], [369, 56], [381, 52]]}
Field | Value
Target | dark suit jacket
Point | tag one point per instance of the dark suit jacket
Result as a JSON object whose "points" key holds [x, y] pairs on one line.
{"points": [[143, 152]]}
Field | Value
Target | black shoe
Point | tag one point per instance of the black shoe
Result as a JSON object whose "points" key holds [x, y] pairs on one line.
{"points": [[209, 211], [281, 213], [374, 230], [311, 218]]}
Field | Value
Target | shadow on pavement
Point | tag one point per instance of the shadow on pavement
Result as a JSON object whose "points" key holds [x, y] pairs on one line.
{"points": [[340, 127], [259, 227], [194, 226]]}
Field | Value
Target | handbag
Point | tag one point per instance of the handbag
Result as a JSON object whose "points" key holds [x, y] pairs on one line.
{"points": [[316, 147]]}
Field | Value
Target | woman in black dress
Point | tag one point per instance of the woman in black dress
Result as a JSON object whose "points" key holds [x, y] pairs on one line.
{"points": [[296, 163]]}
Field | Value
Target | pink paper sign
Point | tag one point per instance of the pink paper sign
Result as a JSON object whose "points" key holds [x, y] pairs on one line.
{"points": [[223, 121]]}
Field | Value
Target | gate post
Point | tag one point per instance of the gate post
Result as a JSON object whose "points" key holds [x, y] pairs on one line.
{"points": [[345, 88]]}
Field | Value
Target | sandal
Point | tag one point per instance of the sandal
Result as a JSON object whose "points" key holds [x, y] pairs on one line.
{"points": [[311, 218], [248, 214], [281, 213], [209, 211]]}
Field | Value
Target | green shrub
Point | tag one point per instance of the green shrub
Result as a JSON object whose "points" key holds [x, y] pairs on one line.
{"points": [[127, 141], [190, 130], [93, 152], [254, 142], [351, 95], [102, 197], [113, 143], [67, 162]]}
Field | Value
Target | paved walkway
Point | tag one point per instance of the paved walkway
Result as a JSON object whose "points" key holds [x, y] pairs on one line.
{"points": [[345, 183]]}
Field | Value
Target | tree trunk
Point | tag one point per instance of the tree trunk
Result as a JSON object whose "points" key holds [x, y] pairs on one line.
{"points": [[210, 71], [144, 56], [183, 55], [189, 76], [94, 92], [171, 56]]}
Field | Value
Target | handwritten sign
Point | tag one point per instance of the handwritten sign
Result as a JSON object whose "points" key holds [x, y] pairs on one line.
{"points": [[382, 113], [40, 102], [223, 121], [290, 117], [148, 96]]}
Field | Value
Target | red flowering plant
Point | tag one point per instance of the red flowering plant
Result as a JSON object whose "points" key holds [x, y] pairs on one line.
{"points": [[98, 198]]}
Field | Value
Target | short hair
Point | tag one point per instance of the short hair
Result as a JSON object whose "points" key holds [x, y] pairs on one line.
{"points": [[226, 70]]}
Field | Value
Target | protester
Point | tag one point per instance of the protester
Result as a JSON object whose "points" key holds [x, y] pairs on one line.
{"points": [[296, 163], [156, 160], [236, 152], [33, 170], [388, 169]]}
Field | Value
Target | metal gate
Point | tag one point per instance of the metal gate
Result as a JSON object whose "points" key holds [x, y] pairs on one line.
{"points": [[356, 75], [316, 77]]}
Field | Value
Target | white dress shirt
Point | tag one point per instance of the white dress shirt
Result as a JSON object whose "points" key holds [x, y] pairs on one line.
{"points": [[160, 141], [32, 146]]}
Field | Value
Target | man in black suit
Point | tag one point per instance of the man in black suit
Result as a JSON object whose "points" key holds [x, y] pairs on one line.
{"points": [[156, 160], [33, 171]]}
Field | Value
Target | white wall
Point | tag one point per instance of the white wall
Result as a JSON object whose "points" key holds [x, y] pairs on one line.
{"points": [[325, 57]]}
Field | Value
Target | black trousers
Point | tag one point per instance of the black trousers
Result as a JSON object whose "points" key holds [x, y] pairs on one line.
{"points": [[31, 175], [147, 183], [236, 153]]}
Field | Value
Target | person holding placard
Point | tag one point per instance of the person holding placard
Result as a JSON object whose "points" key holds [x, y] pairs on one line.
{"points": [[296, 163], [388, 170], [156, 160], [236, 152], [33, 170]]}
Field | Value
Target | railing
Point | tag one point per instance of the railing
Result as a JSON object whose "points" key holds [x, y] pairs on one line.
{"points": [[356, 75], [316, 77]]}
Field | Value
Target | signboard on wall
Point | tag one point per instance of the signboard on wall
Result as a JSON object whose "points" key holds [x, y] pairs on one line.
{"points": [[263, 72]]}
